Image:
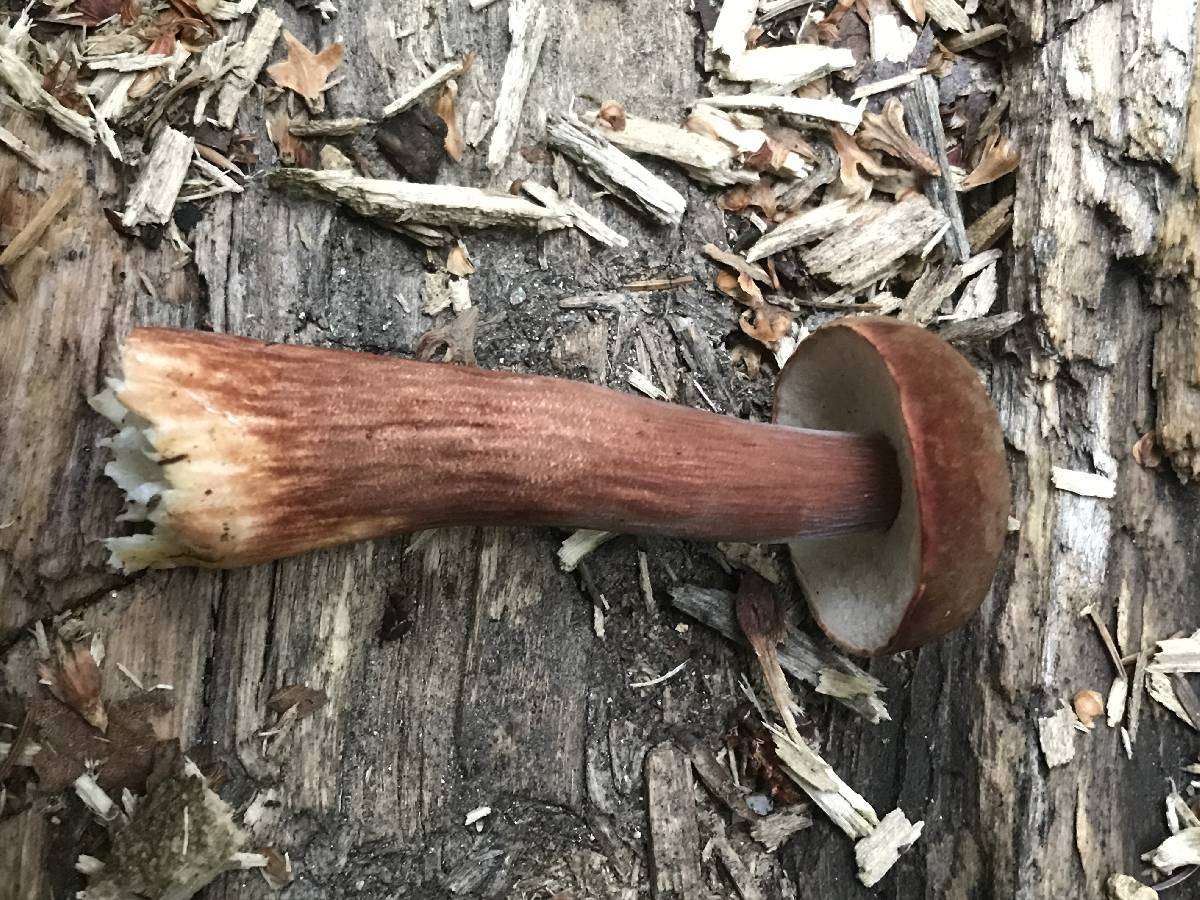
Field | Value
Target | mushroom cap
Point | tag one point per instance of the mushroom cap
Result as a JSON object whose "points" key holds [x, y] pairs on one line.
{"points": [[884, 592]]}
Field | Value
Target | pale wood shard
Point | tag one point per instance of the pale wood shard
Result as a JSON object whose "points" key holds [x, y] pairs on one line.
{"points": [[1085, 484], [786, 66], [948, 14], [978, 297], [871, 245], [250, 59], [922, 113], [426, 85], [886, 84], [405, 204], [642, 383], [881, 849], [22, 149], [799, 654], [1056, 735], [1136, 688], [674, 833], [1114, 705], [1180, 849], [26, 87], [985, 231], [808, 109], [1177, 655], [1162, 692], [528, 24], [152, 200], [813, 775], [481, 4], [708, 120], [728, 37], [744, 880], [567, 208], [127, 62], [843, 685], [774, 830], [705, 159], [890, 40], [579, 545], [613, 169], [29, 235], [1126, 887], [323, 128], [808, 226], [987, 328], [960, 43], [935, 287]]}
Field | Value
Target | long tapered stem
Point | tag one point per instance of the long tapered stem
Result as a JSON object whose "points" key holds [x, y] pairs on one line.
{"points": [[270, 450]]}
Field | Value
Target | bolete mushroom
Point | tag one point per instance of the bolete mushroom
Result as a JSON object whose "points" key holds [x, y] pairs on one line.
{"points": [[887, 456]]}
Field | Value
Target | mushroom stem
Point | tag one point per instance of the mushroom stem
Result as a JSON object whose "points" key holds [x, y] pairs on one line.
{"points": [[267, 450]]}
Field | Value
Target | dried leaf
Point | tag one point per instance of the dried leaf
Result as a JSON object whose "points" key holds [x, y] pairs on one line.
{"points": [[1000, 157], [455, 341], [278, 870], [612, 114], [852, 158], [292, 150], [301, 698], [886, 132], [458, 262], [74, 678], [306, 72], [1147, 452], [445, 107], [762, 321], [757, 196]]}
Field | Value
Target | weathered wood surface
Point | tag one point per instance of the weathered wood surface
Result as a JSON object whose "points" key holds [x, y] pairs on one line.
{"points": [[501, 694]]}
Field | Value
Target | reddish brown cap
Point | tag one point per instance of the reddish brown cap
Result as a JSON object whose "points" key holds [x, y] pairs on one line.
{"points": [[927, 574]]}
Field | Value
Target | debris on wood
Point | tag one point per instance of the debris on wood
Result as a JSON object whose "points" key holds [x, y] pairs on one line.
{"points": [[477, 815], [528, 24], [579, 545], [1000, 158], [454, 342], [427, 85], [29, 235], [305, 72], [330, 157], [1056, 734], [152, 199], [659, 284], [179, 838], [674, 833], [1177, 655], [753, 557], [737, 263], [414, 141], [881, 849], [799, 654], [1126, 887], [948, 14], [277, 871], [813, 775], [641, 383], [960, 43], [22, 149], [565, 207], [26, 86], [986, 328], [985, 231], [810, 225], [776, 828], [250, 59], [327, 128], [744, 878], [704, 158], [886, 131], [1160, 689], [763, 621], [609, 166], [1180, 849], [403, 205], [1085, 484], [73, 676], [1136, 687], [924, 118], [716, 778], [807, 109]]}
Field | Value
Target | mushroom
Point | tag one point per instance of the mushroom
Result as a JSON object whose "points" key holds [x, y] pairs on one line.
{"points": [[886, 456]]}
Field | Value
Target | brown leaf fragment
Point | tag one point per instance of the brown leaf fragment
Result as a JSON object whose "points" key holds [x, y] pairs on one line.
{"points": [[455, 341], [887, 132], [74, 678], [278, 870], [123, 757], [414, 142], [763, 619], [306, 72], [737, 263], [1147, 451], [1000, 157], [445, 107], [854, 157], [749, 740], [612, 114], [292, 150], [458, 262], [299, 697], [753, 196]]}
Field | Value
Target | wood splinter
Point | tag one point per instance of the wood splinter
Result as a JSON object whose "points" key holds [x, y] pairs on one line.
{"points": [[885, 471]]}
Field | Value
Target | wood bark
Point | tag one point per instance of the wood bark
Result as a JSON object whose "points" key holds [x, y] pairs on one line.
{"points": [[502, 693]]}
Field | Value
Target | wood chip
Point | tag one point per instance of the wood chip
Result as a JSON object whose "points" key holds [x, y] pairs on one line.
{"points": [[728, 36], [1085, 484], [1177, 655], [26, 86], [948, 14], [580, 544], [403, 204], [29, 235], [880, 850], [674, 833], [922, 110], [321, 128], [1181, 849], [855, 254], [813, 775], [737, 263], [773, 830], [528, 23], [1162, 691], [426, 85], [1056, 734], [705, 159], [987, 328], [799, 654], [717, 779], [152, 199], [565, 207], [22, 149], [822, 110], [1136, 687], [807, 226], [960, 43], [744, 880], [613, 169], [251, 57], [785, 66], [1125, 887]]}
